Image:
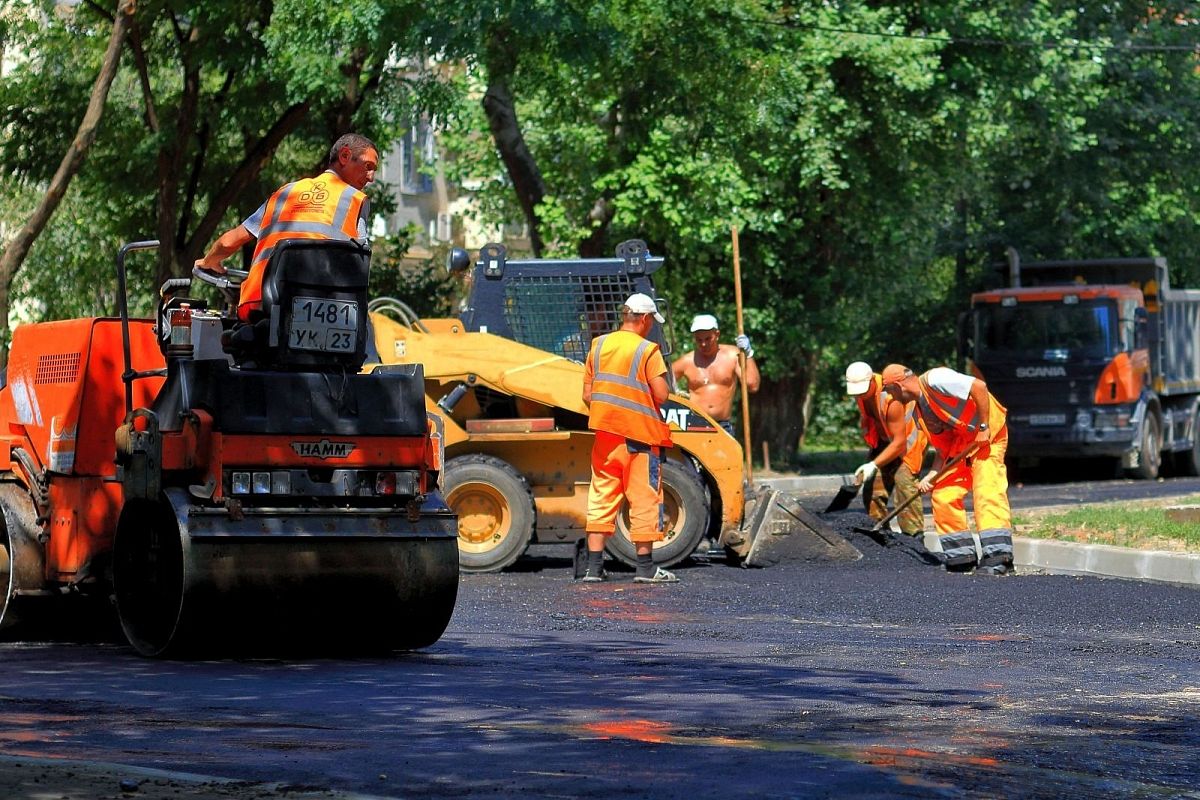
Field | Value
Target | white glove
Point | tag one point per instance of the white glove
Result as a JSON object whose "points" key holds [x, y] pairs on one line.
{"points": [[866, 472], [743, 343], [926, 484]]}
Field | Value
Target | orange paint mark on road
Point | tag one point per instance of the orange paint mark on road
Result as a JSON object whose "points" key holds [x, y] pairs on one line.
{"points": [[639, 730]]}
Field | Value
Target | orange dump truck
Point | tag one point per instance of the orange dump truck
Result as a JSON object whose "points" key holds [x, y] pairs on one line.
{"points": [[1092, 358]]}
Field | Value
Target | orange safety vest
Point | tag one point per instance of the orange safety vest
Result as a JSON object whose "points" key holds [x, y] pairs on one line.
{"points": [[621, 401], [874, 425], [957, 413], [324, 207]]}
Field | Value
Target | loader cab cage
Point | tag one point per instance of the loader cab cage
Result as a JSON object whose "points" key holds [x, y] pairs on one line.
{"points": [[558, 305]]}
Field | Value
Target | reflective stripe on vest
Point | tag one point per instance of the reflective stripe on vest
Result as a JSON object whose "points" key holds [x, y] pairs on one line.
{"points": [[947, 408], [621, 401], [324, 207]]}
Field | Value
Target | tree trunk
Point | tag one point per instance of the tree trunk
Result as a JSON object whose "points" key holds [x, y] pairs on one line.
{"points": [[779, 413], [522, 169], [18, 248]]}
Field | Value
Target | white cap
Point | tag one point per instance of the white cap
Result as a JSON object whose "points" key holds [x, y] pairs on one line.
{"points": [[642, 304], [858, 378], [705, 322]]}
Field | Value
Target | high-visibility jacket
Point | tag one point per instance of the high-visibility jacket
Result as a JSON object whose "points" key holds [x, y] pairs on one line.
{"points": [[873, 419], [324, 207], [620, 366], [960, 416]]}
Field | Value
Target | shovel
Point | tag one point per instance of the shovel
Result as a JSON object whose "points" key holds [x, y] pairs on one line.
{"points": [[841, 500], [878, 530]]}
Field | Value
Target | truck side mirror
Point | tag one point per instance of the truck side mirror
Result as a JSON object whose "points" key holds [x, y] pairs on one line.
{"points": [[1141, 323]]}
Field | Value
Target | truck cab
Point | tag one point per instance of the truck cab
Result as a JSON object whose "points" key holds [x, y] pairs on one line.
{"points": [[1091, 360]]}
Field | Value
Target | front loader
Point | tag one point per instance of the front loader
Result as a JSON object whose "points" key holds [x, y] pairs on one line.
{"points": [[506, 381], [231, 487]]}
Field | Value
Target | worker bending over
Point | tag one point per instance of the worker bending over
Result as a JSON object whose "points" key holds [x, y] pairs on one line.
{"points": [[624, 384], [896, 449], [958, 412]]}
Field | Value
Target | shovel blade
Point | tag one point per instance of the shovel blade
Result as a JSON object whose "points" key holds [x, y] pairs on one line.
{"points": [[841, 500]]}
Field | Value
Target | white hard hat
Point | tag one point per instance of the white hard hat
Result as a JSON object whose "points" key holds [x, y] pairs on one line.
{"points": [[643, 304], [858, 378], [705, 322]]}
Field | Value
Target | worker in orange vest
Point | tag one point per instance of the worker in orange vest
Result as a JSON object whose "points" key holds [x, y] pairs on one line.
{"points": [[624, 384], [331, 205], [896, 448], [958, 412]]}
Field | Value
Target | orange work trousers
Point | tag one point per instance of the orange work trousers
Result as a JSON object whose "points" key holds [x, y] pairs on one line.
{"points": [[622, 470], [986, 478]]}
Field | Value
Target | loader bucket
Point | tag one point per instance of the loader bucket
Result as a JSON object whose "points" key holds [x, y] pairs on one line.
{"points": [[777, 530]]}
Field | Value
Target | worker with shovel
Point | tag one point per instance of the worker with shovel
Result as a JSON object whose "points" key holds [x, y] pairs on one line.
{"points": [[961, 418], [897, 449]]}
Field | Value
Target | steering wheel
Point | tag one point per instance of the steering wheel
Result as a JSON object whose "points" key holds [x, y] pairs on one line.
{"points": [[228, 283]]}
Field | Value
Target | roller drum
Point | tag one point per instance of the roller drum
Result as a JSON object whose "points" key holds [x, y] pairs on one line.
{"points": [[196, 580]]}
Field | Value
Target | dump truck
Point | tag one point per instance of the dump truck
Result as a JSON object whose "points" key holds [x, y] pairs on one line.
{"points": [[228, 486], [1093, 358], [505, 380]]}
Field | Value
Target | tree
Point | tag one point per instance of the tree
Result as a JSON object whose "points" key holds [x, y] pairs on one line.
{"points": [[16, 249]]}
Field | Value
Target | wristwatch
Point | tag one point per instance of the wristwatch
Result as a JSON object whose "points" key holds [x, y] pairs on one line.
{"points": [[983, 426]]}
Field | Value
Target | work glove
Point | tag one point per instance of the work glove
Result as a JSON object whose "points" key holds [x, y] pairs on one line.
{"points": [[743, 343], [865, 472], [926, 484]]}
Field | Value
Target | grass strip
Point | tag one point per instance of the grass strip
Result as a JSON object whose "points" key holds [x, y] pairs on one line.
{"points": [[1142, 526]]}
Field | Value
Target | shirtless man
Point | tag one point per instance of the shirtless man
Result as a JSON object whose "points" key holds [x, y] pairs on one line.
{"points": [[711, 370]]}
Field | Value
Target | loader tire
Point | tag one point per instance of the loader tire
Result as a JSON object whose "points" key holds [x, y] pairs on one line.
{"points": [[495, 511], [686, 512]]}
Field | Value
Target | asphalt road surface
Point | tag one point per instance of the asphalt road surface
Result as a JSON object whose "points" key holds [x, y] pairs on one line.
{"points": [[885, 677]]}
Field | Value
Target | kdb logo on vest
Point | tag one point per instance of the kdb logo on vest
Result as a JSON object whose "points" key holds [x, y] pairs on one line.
{"points": [[1041, 372], [314, 197]]}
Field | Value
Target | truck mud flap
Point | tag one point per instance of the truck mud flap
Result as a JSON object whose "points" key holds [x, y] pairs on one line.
{"points": [[777, 529]]}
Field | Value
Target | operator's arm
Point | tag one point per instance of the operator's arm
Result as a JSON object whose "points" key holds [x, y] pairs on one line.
{"points": [[983, 408], [587, 383], [659, 388], [229, 243]]}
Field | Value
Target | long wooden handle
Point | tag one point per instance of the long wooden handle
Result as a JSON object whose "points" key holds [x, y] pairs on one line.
{"points": [[737, 299]]}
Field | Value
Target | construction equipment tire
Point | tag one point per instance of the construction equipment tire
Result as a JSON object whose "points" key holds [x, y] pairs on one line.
{"points": [[686, 512], [495, 511], [1187, 462]]}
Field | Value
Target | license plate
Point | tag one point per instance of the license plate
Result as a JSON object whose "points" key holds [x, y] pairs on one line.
{"points": [[1047, 419], [325, 325]]}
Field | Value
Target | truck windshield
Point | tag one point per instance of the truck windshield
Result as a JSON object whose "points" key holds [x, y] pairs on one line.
{"points": [[1047, 331]]}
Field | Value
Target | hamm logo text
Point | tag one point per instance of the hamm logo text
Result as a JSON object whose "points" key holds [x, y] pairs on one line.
{"points": [[323, 449]]}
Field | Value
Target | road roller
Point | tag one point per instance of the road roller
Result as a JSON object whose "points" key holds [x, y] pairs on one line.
{"points": [[227, 486]]}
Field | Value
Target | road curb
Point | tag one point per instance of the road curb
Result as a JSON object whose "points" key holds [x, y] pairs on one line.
{"points": [[1072, 558]]}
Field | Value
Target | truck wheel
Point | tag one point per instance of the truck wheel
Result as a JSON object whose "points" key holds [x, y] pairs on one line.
{"points": [[686, 512], [495, 511], [1150, 455]]}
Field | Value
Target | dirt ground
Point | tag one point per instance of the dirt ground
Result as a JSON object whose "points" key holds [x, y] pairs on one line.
{"points": [[47, 779]]}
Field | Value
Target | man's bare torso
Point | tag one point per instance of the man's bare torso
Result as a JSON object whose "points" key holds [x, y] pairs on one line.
{"points": [[710, 380]]}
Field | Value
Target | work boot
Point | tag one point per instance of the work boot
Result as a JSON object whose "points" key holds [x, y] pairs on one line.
{"points": [[995, 569], [594, 578], [958, 551], [660, 576]]}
